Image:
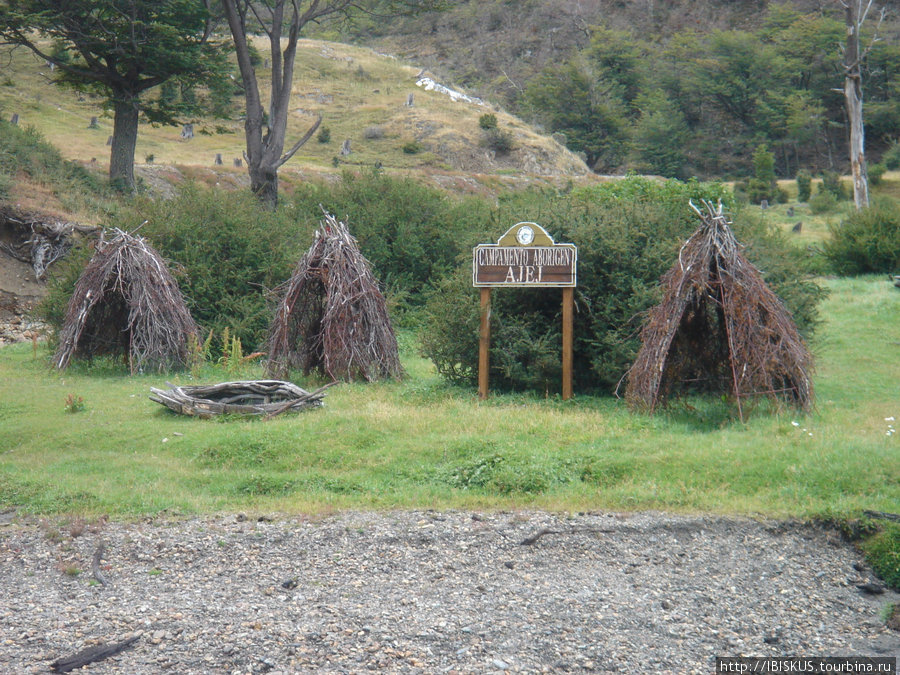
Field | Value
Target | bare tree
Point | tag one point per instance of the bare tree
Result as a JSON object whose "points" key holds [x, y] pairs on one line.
{"points": [[266, 138], [856, 12]]}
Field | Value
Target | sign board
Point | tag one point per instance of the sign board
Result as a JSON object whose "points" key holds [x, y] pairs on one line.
{"points": [[526, 256]]}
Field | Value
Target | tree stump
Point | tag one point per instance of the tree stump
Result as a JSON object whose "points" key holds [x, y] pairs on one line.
{"points": [[345, 148], [187, 131], [109, 140], [409, 100], [14, 119], [95, 123], [218, 160], [237, 162]]}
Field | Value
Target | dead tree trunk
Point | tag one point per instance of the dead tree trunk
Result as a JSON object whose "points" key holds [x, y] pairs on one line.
{"points": [[855, 16]]}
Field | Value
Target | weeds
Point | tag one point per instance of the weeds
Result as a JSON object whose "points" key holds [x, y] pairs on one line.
{"points": [[74, 404]]}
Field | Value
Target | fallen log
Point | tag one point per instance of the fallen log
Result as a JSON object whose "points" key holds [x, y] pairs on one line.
{"points": [[91, 655]]}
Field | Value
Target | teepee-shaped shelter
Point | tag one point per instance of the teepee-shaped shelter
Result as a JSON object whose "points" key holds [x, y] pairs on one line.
{"points": [[719, 328], [127, 302], [332, 318]]}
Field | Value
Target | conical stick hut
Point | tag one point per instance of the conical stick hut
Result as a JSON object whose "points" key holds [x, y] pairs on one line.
{"points": [[719, 328], [127, 302], [332, 318]]}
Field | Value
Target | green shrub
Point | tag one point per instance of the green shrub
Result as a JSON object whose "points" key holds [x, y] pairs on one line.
{"points": [[763, 186], [822, 202], [804, 185], [628, 234], [891, 158], [876, 172], [499, 140], [831, 183], [324, 135], [412, 148], [883, 554], [410, 233], [867, 241], [487, 121]]}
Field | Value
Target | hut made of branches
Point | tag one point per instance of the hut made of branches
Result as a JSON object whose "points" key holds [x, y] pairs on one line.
{"points": [[127, 303], [719, 328], [332, 318]]}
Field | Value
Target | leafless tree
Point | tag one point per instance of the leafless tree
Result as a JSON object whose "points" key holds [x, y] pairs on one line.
{"points": [[856, 12], [281, 21]]}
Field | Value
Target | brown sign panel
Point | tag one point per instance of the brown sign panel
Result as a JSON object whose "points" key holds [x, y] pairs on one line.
{"points": [[525, 256]]}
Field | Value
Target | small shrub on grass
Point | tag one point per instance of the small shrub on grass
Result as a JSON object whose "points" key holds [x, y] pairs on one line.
{"points": [[412, 148], [804, 185], [867, 241], [823, 202], [487, 121], [883, 554], [74, 404], [876, 172], [324, 135], [831, 182]]}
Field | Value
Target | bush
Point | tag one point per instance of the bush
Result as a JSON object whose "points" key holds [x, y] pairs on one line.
{"points": [[891, 158], [867, 241], [412, 148], [487, 121], [411, 233], [804, 185], [324, 135], [499, 141], [628, 234], [822, 202], [883, 554], [876, 171], [831, 183]]}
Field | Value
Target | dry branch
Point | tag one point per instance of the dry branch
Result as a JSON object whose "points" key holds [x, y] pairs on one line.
{"points": [[249, 397], [719, 328], [332, 318], [127, 302], [91, 655]]}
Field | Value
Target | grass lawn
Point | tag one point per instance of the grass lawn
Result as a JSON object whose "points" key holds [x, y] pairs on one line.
{"points": [[421, 443]]}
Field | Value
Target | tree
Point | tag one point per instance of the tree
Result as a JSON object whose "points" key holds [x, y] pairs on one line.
{"points": [[121, 49], [574, 99], [266, 136], [856, 12]]}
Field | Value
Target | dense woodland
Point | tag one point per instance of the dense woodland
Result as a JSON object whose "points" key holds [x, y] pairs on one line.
{"points": [[679, 89]]}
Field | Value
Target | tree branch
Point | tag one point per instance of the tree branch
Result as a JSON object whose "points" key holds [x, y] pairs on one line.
{"points": [[300, 143]]}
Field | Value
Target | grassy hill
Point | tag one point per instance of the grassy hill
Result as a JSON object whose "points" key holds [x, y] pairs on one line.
{"points": [[360, 94]]}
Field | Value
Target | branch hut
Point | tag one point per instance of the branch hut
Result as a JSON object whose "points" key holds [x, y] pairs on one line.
{"points": [[332, 318], [127, 302], [719, 328]]}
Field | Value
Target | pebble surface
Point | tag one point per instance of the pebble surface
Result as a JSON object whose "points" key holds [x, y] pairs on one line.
{"points": [[433, 592]]}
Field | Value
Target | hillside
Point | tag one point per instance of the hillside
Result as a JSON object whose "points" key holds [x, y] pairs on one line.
{"points": [[362, 97], [496, 46]]}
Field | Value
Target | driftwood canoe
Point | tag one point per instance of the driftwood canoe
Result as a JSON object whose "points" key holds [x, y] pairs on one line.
{"points": [[249, 397]]}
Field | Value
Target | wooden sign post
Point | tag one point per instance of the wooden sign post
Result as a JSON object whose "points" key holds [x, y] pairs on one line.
{"points": [[524, 257]]}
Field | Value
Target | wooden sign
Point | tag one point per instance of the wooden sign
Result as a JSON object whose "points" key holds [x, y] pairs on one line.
{"points": [[526, 256]]}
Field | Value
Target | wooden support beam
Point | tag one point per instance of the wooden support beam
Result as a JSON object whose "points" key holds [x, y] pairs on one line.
{"points": [[484, 344], [568, 303]]}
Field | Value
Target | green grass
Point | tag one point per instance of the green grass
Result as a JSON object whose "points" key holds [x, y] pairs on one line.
{"points": [[421, 443]]}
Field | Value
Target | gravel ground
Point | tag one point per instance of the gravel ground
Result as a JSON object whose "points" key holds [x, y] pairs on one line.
{"points": [[433, 592]]}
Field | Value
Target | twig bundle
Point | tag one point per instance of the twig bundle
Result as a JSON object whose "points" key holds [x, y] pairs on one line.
{"points": [[249, 397], [719, 328], [332, 318], [127, 302]]}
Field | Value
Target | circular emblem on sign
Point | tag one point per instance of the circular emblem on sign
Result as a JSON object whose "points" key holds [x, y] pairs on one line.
{"points": [[525, 235]]}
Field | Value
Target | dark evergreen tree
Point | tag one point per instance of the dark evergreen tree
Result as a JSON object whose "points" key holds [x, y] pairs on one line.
{"points": [[121, 49]]}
